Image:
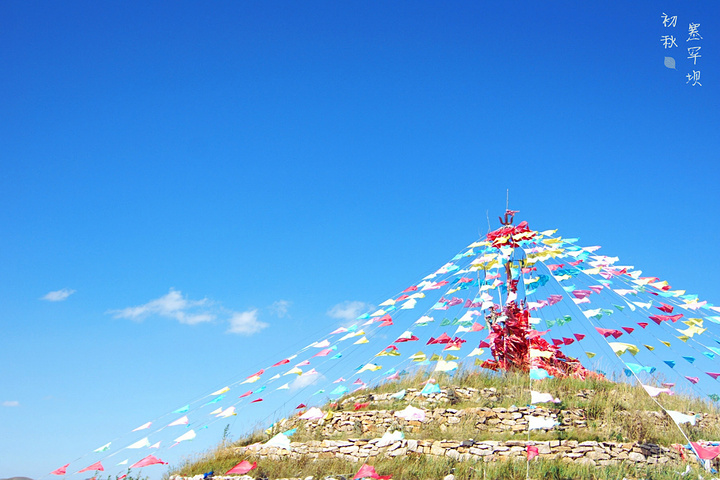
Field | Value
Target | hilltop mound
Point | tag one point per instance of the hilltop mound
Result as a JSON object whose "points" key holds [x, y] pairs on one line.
{"points": [[480, 424]]}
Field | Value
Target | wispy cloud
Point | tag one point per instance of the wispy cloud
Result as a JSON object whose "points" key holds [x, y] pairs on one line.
{"points": [[280, 308], [306, 380], [11, 403], [179, 307], [246, 323], [349, 311], [172, 305], [58, 295]]}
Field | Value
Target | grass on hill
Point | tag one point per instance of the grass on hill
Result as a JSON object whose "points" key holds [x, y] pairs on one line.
{"points": [[614, 412], [417, 467]]}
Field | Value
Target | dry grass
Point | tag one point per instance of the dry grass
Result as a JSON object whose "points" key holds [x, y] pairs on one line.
{"points": [[614, 412], [414, 467]]}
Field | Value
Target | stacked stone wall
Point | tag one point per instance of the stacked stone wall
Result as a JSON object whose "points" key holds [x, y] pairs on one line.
{"points": [[360, 450], [482, 419]]}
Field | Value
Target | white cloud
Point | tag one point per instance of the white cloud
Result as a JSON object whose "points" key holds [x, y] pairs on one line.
{"points": [[246, 323], [11, 403], [280, 308], [58, 295], [173, 305], [178, 307], [349, 311], [303, 381]]}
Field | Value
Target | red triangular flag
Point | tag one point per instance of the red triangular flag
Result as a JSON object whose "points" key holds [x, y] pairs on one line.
{"points": [[302, 405], [532, 452], [412, 338], [94, 467], [714, 375], [643, 324], [242, 468], [579, 336], [60, 471], [367, 471], [246, 394], [605, 332], [410, 289], [149, 460], [665, 308], [281, 362], [567, 341], [664, 318], [706, 453], [628, 329], [257, 400]]}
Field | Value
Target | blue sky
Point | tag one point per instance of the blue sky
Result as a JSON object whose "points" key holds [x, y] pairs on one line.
{"points": [[268, 162]]}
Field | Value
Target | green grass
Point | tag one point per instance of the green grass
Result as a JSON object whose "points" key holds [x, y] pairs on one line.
{"points": [[414, 467], [614, 412]]}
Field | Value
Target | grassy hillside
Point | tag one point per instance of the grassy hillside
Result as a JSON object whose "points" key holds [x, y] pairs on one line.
{"points": [[611, 412]]}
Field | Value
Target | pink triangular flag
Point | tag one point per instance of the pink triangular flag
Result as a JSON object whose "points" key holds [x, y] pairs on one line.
{"points": [[242, 468], [60, 471], [94, 467], [147, 461], [367, 471], [532, 452]]}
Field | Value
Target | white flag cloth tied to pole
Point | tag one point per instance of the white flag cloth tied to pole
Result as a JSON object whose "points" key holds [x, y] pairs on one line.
{"points": [[541, 423], [537, 397], [411, 413]]}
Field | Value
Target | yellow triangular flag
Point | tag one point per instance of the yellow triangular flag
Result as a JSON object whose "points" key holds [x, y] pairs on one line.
{"points": [[418, 357]]}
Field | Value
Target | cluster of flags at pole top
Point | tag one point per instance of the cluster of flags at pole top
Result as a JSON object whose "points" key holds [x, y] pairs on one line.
{"points": [[593, 308]]}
